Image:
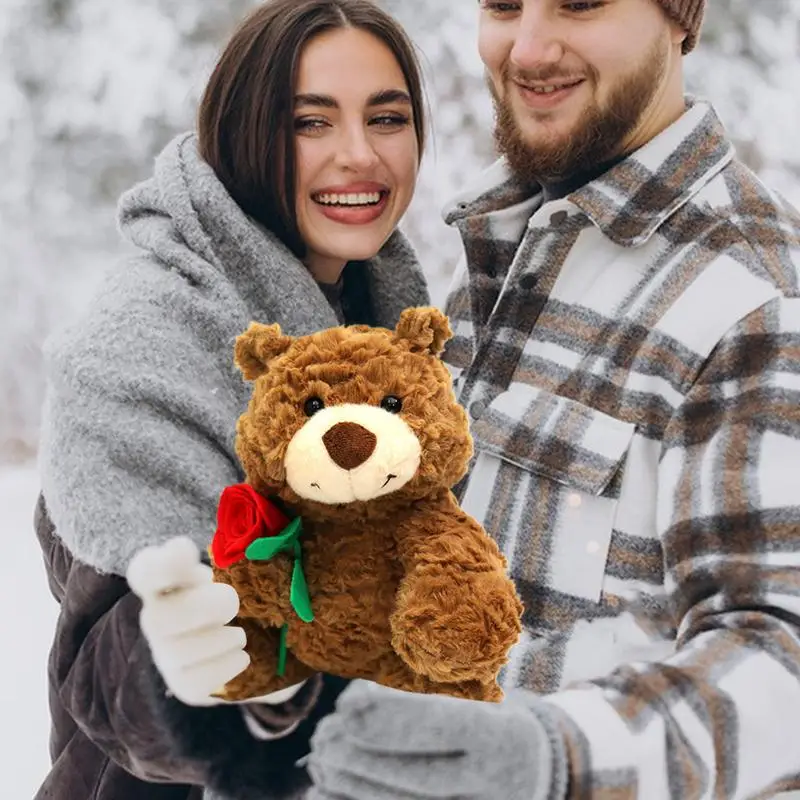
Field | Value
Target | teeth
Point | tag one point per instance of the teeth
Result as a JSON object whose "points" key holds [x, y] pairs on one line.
{"points": [[550, 89], [354, 199]]}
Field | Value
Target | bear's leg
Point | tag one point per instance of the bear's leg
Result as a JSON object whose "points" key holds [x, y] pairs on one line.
{"points": [[393, 671], [261, 676]]}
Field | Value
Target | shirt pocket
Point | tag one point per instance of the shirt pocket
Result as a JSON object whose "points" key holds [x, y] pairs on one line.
{"points": [[543, 485]]}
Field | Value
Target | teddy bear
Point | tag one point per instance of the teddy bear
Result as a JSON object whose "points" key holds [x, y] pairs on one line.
{"points": [[345, 543]]}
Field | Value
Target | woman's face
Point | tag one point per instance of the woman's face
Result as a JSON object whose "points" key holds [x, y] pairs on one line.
{"points": [[357, 154]]}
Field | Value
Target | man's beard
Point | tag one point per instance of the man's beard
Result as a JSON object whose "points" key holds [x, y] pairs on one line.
{"points": [[598, 135]]}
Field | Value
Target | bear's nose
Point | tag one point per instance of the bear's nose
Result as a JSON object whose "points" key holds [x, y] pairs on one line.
{"points": [[349, 444]]}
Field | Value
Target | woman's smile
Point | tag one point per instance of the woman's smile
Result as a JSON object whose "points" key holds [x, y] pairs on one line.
{"points": [[357, 203]]}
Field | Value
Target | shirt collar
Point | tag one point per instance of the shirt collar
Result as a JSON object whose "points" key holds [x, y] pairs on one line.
{"points": [[634, 198]]}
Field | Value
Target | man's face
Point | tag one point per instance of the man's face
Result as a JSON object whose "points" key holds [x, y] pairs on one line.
{"points": [[578, 83]]}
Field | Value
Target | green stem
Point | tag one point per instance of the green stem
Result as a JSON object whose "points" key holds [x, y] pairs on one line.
{"points": [[282, 651]]}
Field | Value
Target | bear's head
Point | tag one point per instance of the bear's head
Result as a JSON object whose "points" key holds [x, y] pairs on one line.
{"points": [[352, 414]]}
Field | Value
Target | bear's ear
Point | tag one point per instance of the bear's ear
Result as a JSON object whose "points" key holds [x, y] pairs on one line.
{"points": [[257, 346], [426, 328]]}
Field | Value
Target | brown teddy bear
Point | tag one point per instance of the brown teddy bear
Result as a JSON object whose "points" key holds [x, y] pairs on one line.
{"points": [[346, 545]]}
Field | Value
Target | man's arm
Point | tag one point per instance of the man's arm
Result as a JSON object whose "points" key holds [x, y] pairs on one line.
{"points": [[721, 717]]}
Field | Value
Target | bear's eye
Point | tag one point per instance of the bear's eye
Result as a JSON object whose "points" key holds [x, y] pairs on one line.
{"points": [[313, 404], [392, 404]]}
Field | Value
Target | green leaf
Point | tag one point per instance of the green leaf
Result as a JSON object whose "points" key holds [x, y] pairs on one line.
{"points": [[266, 547], [298, 593]]}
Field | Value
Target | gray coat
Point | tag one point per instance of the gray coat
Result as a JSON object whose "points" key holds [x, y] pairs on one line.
{"points": [[137, 443]]}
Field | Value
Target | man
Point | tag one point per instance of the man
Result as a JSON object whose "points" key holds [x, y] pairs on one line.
{"points": [[628, 346]]}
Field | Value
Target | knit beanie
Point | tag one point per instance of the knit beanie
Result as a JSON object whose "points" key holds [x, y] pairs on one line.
{"points": [[689, 15]]}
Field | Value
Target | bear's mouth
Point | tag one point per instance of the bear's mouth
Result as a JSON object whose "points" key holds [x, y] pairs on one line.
{"points": [[390, 477]]}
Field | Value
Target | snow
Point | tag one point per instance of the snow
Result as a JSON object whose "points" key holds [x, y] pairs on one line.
{"points": [[29, 613], [90, 91]]}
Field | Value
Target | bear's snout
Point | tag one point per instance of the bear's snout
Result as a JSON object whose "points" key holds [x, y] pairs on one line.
{"points": [[349, 444], [351, 452]]}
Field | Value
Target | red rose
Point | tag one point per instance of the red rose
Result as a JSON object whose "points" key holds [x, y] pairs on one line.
{"points": [[243, 515]]}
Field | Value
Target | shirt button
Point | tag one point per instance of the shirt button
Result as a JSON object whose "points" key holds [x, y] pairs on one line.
{"points": [[593, 547], [558, 218], [574, 500], [477, 409], [527, 281]]}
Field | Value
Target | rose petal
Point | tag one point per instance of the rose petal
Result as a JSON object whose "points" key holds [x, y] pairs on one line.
{"points": [[243, 515]]}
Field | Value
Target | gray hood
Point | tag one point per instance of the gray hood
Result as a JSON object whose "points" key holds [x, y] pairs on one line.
{"points": [[138, 427], [185, 218]]}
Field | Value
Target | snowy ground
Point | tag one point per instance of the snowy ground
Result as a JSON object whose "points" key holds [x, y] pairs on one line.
{"points": [[29, 614]]}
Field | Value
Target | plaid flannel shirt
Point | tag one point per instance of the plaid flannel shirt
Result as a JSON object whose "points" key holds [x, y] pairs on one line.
{"points": [[630, 359]]}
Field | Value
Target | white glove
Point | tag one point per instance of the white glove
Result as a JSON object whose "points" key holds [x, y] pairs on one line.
{"points": [[184, 616]]}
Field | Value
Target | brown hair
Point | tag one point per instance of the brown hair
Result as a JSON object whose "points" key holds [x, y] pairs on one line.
{"points": [[245, 120]]}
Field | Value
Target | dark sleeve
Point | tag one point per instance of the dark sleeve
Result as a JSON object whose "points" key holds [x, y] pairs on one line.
{"points": [[240, 765], [105, 681]]}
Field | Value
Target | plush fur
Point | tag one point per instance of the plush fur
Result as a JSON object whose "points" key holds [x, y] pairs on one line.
{"points": [[407, 590]]}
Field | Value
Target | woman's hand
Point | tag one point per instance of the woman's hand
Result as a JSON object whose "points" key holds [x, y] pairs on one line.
{"points": [[184, 619]]}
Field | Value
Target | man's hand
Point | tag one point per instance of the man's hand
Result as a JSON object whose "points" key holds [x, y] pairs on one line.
{"points": [[184, 618], [383, 744]]}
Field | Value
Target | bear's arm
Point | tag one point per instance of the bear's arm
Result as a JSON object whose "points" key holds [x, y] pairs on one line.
{"points": [[457, 613], [441, 534]]}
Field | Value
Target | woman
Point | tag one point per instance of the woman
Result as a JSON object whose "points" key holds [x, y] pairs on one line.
{"points": [[282, 208]]}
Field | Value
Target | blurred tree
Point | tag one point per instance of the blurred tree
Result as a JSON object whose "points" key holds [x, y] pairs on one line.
{"points": [[91, 90]]}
